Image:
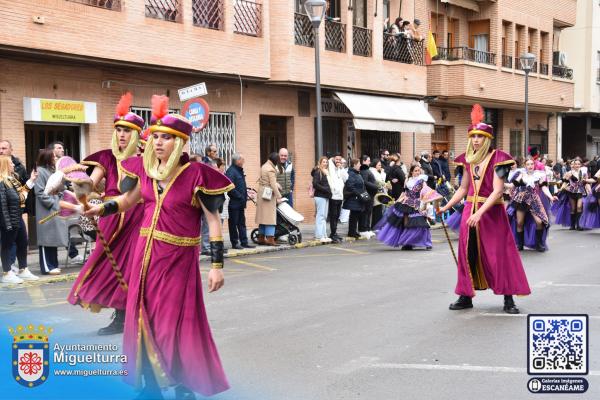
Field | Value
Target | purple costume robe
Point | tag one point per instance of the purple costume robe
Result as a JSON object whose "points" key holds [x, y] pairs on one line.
{"points": [[97, 285], [498, 264], [165, 309]]}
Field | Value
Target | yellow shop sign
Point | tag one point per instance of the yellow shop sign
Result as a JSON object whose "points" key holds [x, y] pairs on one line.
{"points": [[62, 111]]}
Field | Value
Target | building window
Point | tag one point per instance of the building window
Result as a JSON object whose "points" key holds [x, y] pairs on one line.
{"points": [[167, 10], [220, 131], [516, 142], [208, 14], [439, 140], [114, 5]]}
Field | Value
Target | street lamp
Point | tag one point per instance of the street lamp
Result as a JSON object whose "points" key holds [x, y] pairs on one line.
{"points": [[315, 9], [527, 60]]}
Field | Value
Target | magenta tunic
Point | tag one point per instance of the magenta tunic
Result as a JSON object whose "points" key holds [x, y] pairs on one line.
{"points": [[165, 308], [97, 285], [499, 265]]}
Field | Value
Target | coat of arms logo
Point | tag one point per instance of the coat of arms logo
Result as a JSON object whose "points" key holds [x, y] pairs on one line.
{"points": [[30, 354]]}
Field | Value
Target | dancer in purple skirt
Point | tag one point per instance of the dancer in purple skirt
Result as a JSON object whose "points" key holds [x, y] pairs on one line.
{"points": [[487, 254], [590, 218], [527, 214], [568, 209], [404, 224]]}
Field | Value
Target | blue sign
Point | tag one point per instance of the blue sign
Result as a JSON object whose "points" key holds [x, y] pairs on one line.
{"points": [[197, 112]]}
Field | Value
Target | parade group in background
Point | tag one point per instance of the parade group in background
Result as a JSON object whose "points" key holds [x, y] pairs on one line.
{"points": [[153, 207]]}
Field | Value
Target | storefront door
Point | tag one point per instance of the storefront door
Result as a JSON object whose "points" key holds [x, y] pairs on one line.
{"points": [[40, 136], [273, 135]]}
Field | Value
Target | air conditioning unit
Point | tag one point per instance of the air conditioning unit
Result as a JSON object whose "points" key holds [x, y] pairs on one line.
{"points": [[559, 58]]}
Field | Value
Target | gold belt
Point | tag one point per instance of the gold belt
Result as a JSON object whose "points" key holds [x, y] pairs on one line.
{"points": [[170, 238], [481, 199]]}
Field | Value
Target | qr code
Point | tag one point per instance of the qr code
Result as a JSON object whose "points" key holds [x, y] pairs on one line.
{"points": [[557, 344]]}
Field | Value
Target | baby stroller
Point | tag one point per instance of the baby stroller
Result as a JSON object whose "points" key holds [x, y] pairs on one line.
{"points": [[287, 221]]}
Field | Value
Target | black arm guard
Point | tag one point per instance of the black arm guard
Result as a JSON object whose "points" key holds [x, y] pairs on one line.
{"points": [[110, 207], [502, 171], [127, 184], [216, 254]]}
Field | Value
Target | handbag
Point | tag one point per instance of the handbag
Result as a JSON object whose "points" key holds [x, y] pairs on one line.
{"points": [[364, 197], [267, 193]]}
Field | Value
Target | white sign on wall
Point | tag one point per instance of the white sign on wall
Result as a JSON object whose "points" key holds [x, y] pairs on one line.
{"points": [[190, 92]]}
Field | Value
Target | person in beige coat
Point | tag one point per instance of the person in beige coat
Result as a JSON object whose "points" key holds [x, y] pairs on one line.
{"points": [[266, 209]]}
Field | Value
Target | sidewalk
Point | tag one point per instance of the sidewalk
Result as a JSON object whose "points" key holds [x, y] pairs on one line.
{"points": [[70, 273]]}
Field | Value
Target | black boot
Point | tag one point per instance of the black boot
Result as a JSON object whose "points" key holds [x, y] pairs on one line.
{"points": [[520, 240], [462, 303], [406, 247], [572, 228], [539, 246], [183, 393], [509, 305], [577, 217], [116, 326]]}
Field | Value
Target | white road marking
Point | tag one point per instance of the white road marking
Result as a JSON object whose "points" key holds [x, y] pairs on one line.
{"points": [[463, 367]]}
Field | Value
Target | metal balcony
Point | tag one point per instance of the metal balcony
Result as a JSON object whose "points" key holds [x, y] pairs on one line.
{"points": [[401, 49], [114, 5], [362, 39], [562, 72], [335, 36], [466, 53], [247, 18]]}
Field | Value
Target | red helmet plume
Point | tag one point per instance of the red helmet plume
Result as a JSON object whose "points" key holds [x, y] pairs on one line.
{"points": [[476, 114], [160, 106], [124, 104]]}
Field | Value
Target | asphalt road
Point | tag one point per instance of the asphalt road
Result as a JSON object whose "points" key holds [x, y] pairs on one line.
{"points": [[363, 321]]}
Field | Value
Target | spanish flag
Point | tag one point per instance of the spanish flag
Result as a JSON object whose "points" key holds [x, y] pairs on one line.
{"points": [[431, 48]]}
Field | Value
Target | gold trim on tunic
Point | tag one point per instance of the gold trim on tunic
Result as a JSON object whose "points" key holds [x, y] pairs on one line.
{"points": [[170, 238]]}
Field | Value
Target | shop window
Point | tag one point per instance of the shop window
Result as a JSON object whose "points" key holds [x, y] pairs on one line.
{"points": [[516, 142], [371, 142], [539, 139], [220, 131], [273, 135], [332, 136]]}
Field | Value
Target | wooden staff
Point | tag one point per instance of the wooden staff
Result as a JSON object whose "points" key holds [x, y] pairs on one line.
{"points": [[109, 255], [448, 237]]}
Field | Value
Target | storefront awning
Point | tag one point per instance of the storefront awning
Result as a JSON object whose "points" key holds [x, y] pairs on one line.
{"points": [[378, 113], [468, 4]]}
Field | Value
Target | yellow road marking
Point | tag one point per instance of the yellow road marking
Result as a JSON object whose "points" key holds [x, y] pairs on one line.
{"points": [[349, 250], [264, 268], [37, 295]]}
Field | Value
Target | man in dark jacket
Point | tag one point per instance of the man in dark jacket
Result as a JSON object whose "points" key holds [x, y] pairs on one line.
{"points": [[444, 167], [372, 189], [427, 169], [7, 150], [237, 204]]}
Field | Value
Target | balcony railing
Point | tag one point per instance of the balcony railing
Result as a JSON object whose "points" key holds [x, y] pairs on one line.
{"points": [[303, 31], [335, 36], [247, 18], [534, 69], [466, 53], [598, 76], [507, 61], [208, 13], [543, 69], [114, 5], [362, 41], [167, 10], [562, 72], [401, 49]]}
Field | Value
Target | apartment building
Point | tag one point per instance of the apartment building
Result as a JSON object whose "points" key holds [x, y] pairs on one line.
{"points": [[581, 126], [256, 58], [479, 45]]}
